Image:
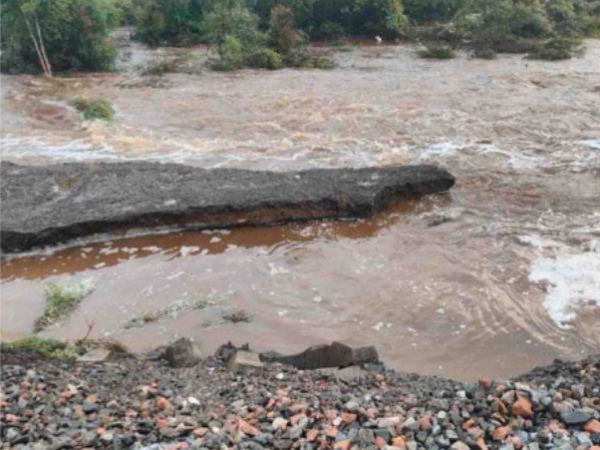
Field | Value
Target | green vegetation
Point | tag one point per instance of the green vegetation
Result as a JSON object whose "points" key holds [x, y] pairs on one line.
{"points": [[50, 348], [74, 35], [168, 22], [172, 311], [237, 316], [556, 49], [61, 301], [437, 51], [100, 109], [57, 35]]}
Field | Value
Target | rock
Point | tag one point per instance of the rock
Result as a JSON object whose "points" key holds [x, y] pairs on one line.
{"points": [[332, 355], [575, 418], [279, 424], [459, 445], [522, 407], [89, 408], [352, 374], [95, 355], [388, 422], [181, 353], [47, 205], [593, 426], [243, 360]]}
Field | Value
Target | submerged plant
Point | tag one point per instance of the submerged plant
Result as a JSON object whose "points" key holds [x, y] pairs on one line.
{"points": [[61, 301], [92, 109], [237, 316]]}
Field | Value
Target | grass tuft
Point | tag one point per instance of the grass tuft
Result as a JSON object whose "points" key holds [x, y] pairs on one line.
{"points": [[47, 347], [61, 301], [237, 316]]}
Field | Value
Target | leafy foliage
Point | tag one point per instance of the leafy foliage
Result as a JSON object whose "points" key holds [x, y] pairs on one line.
{"points": [[93, 109], [172, 22], [425, 11], [73, 35], [556, 49]]}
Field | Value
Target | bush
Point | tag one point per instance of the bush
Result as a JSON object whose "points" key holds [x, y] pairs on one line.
{"points": [[171, 22], [265, 58], [233, 32], [231, 55], [502, 25], [378, 17], [73, 35], [426, 11], [437, 51], [100, 109], [284, 37], [556, 49]]}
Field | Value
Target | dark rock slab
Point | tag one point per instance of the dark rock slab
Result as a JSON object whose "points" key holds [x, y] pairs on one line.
{"points": [[320, 356], [48, 205]]}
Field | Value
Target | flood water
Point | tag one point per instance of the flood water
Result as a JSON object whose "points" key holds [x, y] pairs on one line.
{"points": [[491, 279]]}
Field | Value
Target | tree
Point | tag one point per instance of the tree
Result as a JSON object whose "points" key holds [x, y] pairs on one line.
{"points": [[27, 12], [57, 35], [233, 30]]}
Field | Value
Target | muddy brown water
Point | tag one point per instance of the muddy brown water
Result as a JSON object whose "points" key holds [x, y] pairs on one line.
{"points": [[491, 279]]}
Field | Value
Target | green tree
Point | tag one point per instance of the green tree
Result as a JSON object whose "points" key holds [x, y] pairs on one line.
{"points": [[233, 31], [172, 22], [57, 35], [378, 17]]}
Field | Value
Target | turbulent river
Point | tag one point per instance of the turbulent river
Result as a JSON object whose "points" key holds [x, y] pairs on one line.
{"points": [[499, 275]]}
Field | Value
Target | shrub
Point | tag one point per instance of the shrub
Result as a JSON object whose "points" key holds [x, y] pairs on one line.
{"points": [[556, 49], [233, 32], [231, 55], [265, 58], [172, 22], [502, 25], [426, 11], [50, 348], [100, 109], [284, 37], [61, 301], [437, 51], [57, 35], [484, 53], [378, 17]]}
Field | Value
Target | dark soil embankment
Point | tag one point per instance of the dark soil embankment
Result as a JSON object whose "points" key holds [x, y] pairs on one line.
{"points": [[48, 205]]}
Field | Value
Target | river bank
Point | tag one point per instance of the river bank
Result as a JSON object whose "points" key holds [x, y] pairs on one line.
{"points": [[137, 403]]}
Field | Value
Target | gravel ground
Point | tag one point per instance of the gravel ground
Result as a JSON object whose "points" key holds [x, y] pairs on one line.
{"points": [[143, 404]]}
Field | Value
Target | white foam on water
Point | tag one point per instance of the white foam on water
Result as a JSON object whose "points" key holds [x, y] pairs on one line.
{"points": [[591, 143], [573, 278]]}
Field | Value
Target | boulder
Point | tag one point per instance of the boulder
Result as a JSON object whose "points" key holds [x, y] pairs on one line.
{"points": [[335, 354], [181, 353], [243, 360]]}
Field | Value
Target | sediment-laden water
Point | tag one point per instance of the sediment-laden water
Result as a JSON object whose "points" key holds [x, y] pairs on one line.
{"points": [[499, 275]]}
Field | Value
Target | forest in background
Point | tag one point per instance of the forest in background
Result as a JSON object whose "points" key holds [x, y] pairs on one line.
{"points": [[76, 35]]}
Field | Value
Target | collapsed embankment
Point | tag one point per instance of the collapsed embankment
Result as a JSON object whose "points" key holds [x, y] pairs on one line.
{"points": [[43, 206]]}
